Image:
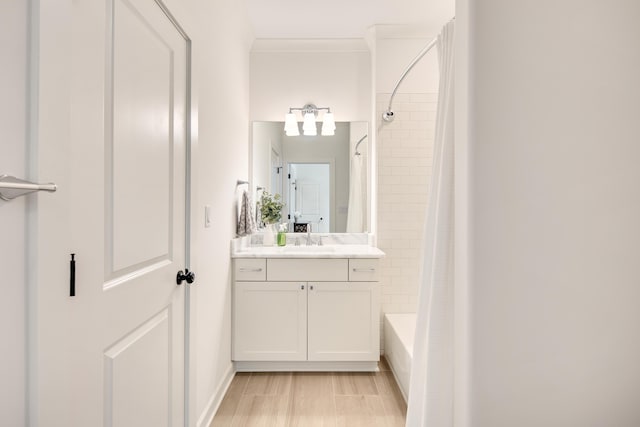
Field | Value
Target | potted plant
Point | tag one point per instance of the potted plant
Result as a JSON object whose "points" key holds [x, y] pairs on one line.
{"points": [[270, 214], [270, 208]]}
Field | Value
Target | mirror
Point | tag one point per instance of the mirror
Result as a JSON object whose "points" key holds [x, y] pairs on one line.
{"points": [[321, 179]]}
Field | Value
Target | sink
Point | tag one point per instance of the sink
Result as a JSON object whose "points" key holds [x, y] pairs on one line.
{"points": [[308, 249], [290, 249]]}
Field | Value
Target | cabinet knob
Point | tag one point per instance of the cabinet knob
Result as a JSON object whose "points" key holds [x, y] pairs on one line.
{"points": [[302, 287], [311, 287]]}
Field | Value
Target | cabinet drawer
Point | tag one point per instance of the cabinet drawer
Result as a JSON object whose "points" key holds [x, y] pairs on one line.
{"points": [[250, 269], [363, 270], [317, 269]]}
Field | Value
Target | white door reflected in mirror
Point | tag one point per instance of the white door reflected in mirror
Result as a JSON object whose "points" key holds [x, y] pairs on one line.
{"points": [[310, 195]]}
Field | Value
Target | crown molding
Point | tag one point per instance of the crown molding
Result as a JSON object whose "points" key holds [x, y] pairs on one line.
{"points": [[309, 45]]}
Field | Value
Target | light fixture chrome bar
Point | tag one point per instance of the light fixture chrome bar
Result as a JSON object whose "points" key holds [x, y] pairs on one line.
{"points": [[309, 108], [12, 187], [387, 116]]}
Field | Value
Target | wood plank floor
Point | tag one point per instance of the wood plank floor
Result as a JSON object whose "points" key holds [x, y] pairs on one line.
{"points": [[308, 399]]}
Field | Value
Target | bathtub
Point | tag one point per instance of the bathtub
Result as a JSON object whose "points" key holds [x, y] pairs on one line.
{"points": [[399, 330]]}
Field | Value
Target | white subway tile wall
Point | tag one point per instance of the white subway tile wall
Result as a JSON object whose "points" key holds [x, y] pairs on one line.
{"points": [[405, 157]]}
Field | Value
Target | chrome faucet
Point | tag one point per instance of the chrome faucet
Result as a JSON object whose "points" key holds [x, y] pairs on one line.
{"points": [[309, 240]]}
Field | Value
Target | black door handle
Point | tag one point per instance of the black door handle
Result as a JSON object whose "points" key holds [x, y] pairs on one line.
{"points": [[72, 276], [189, 276]]}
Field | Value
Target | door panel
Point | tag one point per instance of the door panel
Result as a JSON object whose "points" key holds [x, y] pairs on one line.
{"points": [[129, 373], [308, 198], [140, 138]]}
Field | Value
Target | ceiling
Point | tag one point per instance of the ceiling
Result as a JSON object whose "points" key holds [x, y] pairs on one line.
{"points": [[327, 19]]}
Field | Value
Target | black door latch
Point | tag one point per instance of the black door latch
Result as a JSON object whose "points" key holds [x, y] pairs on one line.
{"points": [[189, 276]]}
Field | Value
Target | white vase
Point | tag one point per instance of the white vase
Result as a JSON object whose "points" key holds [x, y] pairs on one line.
{"points": [[269, 236]]}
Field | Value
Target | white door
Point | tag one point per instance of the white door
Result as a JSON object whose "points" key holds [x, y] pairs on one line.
{"points": [[111, 127], [343, 321], [270, 321], [310, 194]]}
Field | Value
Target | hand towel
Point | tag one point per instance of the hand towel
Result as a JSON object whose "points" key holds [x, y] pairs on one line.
{"points": [[245, 219]]}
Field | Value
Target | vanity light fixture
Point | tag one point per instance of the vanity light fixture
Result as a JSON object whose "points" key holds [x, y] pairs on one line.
{"points": [[309, 113]]}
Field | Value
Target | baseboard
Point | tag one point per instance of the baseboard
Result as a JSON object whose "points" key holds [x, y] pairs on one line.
{"points": [[395, 377], [214, 403], [306, 366]]}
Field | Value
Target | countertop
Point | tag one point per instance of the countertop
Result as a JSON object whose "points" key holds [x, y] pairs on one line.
{"points": [[303, 251]]}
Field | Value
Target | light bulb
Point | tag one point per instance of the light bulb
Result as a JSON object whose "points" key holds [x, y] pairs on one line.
{"points": [[291, 125], [328, 125]]}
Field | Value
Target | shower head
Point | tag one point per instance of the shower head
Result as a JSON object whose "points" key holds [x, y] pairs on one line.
{"points": [[387, 116]]}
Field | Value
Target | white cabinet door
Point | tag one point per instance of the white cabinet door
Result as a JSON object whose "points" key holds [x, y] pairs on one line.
{"points": [[270, 321], [343, 321]]}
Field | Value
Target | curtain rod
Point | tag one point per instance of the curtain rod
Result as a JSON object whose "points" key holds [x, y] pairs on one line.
{"points": [[358, 143], [387, 116]]}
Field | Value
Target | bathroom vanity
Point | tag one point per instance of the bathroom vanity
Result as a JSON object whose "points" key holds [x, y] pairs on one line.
{"points": [[306, 308]]}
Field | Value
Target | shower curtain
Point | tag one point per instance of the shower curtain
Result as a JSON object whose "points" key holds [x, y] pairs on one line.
{"points": [[355, 213], [431, 384]]}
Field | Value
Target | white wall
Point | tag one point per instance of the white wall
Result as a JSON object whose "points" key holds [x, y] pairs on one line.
{"points": [[395, 53], [555, 277], [221, 43], [266, 136], [328, 78], [13, 125]]}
